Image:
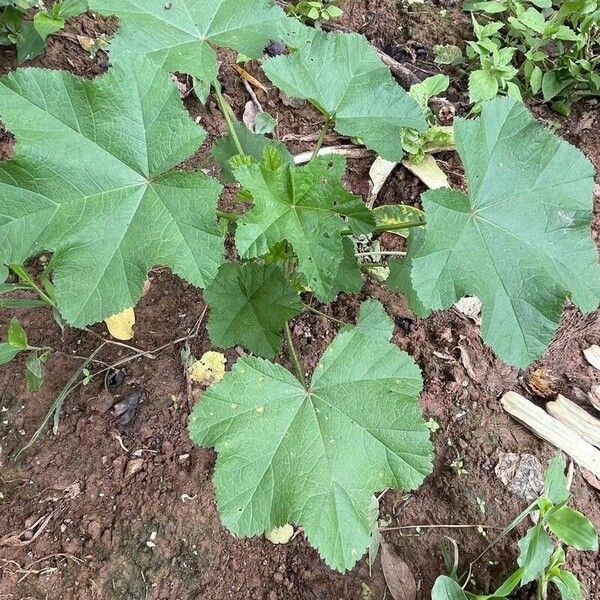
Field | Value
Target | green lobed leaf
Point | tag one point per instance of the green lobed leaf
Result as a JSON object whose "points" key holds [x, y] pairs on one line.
{"points": [[46, 24], [432, 86], [95, 185], [29, 43], [304, 206], [253, 144], [536, 548], [519, 239], [399, 215], [448, 54], [573, 528], [68, 9], [349, 277], [400, 275], [249, 305], [315, 456], [342, 76], [181, 35]]}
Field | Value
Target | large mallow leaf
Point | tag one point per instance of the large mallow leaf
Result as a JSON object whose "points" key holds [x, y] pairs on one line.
{"points": [[519, 239], [342, 76], [181, 34], [315, 456], [92, 182], [304, 206]]}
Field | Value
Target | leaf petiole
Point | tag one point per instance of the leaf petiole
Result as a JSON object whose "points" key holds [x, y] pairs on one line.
{"points": [[294, 356], [322, 136], [229, 116], [391, 227], [26, 278], [380, 253], [322, 314]]}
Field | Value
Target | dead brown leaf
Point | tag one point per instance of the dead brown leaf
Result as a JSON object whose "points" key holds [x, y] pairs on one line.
{"points": [[398, 577]]}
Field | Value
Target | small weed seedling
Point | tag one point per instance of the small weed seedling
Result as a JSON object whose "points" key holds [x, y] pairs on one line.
{"points": [[316, 11], [15, 344], [29, 35], [542, 551], [533, 48], [436, 137]]}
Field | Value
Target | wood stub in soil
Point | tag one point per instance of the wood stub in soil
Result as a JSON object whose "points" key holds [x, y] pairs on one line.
{"points": [[575, 417], [553, 431]]}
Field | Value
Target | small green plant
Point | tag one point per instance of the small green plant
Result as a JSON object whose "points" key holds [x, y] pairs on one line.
{"points": [[458, 466], [41, 287], [316, 11], [436, 137], [542, 551], [16, 343], [29, 33], [532, 48]]}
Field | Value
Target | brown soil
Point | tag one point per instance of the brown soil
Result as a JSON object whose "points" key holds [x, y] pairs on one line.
{"points": [[108, 533]]}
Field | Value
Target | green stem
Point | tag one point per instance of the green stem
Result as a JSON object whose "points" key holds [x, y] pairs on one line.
{"points": [[378, 229], [40, 348], [227, 113], [73, 384], [505, 532], [294, 355], [542, 587], [60, 399], [384, 228], [438, 527], [225, 215], [321, 139], [322, 314], [380, 253], [24, 275]]}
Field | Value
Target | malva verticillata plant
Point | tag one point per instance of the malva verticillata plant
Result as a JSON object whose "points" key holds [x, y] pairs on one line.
{"points": [[542, 550], [292, 449], [27, 24]]}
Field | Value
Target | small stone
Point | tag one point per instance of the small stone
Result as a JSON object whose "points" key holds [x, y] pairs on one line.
{"points": [[133, 467], [95, 530]]}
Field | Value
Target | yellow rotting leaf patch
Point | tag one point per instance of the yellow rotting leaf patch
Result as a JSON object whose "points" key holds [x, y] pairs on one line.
{"points": [[120, 326], [209, 369]]}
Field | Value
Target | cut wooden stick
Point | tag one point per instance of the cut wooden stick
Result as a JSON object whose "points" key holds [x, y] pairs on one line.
{"points": [[592, 355], [553, 431], [347, 151], [575, 417]]}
